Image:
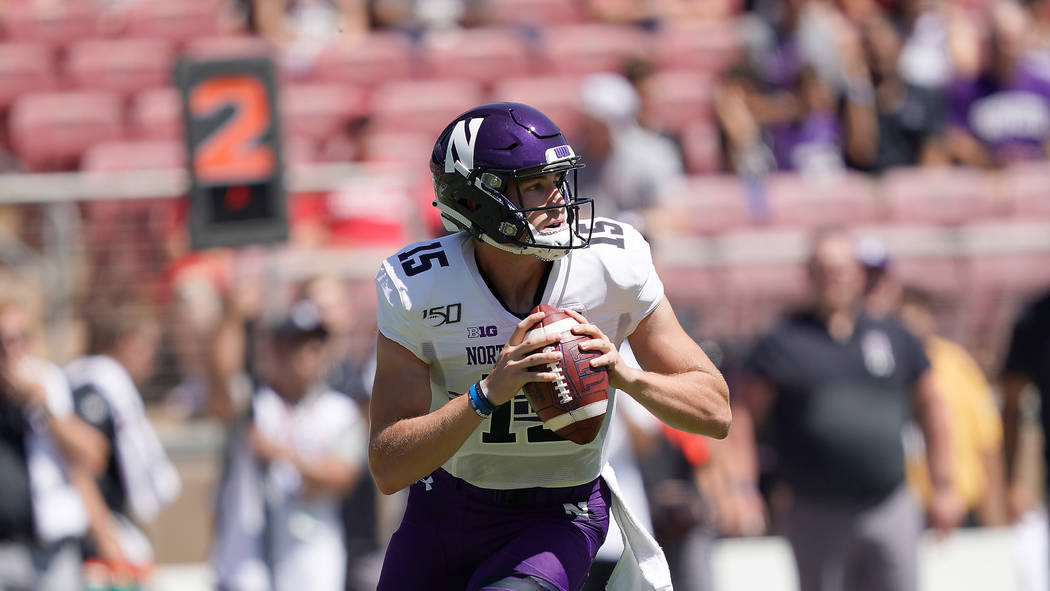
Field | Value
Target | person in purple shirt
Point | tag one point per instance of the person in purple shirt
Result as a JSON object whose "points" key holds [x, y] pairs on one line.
{"points": [[813, 142], [1000, 114]]}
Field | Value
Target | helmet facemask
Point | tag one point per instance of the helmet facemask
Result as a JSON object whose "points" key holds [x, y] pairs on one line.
{"points": [[512, 231]]}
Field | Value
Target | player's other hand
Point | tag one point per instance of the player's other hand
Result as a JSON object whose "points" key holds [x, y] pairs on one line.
{"points": [[511, 371], [609, 356]]}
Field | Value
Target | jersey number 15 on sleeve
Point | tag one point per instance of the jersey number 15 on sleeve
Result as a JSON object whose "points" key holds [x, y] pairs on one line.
{"points": [[422, 258]]}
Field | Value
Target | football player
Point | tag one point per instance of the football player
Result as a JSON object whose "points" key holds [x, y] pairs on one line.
{"points": [[496, 500]]}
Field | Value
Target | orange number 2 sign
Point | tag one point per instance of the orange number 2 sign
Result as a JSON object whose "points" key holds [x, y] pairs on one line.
{"points": [[232, 152]]}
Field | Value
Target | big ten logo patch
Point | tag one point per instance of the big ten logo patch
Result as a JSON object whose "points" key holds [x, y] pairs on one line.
{"points": [[478, 332]]}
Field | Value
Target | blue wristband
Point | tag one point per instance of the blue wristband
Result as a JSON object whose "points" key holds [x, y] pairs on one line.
{"points": [[481, 405]]}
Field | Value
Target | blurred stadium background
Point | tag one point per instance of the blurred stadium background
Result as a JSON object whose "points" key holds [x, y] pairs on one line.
{"points": [[93, 180]]}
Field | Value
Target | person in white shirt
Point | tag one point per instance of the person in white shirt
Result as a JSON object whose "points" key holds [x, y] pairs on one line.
{"points": [[298, 452]]}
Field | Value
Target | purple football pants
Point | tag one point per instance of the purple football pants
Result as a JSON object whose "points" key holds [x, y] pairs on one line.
{"points": [[455, 536]]}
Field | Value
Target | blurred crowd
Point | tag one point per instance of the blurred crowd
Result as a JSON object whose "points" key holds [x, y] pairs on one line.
{"points": [[282, 360]]}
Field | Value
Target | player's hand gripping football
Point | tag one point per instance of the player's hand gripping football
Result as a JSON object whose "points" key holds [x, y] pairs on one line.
{"points": [[619, 372], [511, 371]]}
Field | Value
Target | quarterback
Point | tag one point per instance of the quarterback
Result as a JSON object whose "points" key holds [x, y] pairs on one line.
{"points": [[496, 501]]}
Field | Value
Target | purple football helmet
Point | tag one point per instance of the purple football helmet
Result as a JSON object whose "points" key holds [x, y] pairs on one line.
{"points": [[477, 163]]}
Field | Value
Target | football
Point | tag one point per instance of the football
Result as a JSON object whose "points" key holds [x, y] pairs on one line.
{"points": [[574, 406]]}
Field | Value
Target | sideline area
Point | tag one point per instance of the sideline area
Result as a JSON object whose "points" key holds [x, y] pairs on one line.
{"points": [[970, 560]]}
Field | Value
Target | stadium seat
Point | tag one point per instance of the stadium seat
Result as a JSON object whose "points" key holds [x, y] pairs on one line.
{"points": [[949, 195], [534, 12], [409, 147], [50, 131], [55, 23], [556, 96], [702, 47], [482, 55], [380, 57], [587, 48], [173, 21], [25, 67], [678, 98], [156, 114], [425, 106], [710, 204], [230, 46], [119, 65], [701, 147], [841, 199], [317, 111], [1028, 189], [116, 156]]}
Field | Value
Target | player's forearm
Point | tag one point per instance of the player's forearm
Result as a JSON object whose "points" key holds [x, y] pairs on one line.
{"points": [[412, 448], [696, 401]]}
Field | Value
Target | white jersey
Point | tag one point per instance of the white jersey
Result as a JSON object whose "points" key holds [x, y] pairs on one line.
{"points": [[435, 303]]}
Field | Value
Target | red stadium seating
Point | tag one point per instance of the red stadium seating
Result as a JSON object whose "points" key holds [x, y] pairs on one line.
{"points": [[425, 106], [317, 111], [678, 98], [381, 57], [134, 155], [702, 47], [587, 48], [556, 96], [483, 55], [398, 146], [950, 195], [50, 131], [701, 147], [173, 21], [156, 114], [25, 67], [710, 204], [845, 199], [55, 23], [1028, 189], [534, 12], [120, 65], [230, 46]]}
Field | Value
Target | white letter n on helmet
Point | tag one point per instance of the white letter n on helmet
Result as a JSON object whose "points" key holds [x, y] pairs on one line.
{"points": [[464, 160]]}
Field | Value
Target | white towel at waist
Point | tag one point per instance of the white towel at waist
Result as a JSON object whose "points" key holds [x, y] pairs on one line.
{"points": [[642, 566]]}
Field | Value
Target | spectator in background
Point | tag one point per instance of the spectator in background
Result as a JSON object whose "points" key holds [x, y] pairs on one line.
{"points": [[833, 388], [295, 23], [1026, 363], [351, 364], [416, 17], [629, 167], [812, 143], [976, 429], [44, 454], [298, 451], [138, 480], [888, 121], [1000, 109]]}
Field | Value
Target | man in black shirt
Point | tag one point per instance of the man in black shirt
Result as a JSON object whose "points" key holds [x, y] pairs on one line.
{"points": [[831, 389], [1027, 362]]}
